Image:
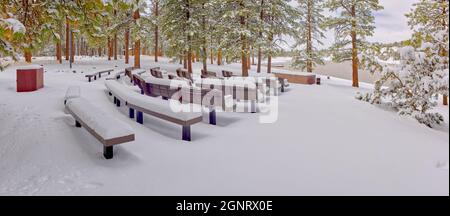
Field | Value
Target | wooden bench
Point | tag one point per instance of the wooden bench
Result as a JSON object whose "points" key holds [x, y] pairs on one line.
{"points": [[227, 74], [162, 87], [297, 77], [109, 131], [240, 91], [183, 73], [156, 72], [182, 91], [139, 104], [72, 92], [208, 74], [208, 98], [98, 73]]}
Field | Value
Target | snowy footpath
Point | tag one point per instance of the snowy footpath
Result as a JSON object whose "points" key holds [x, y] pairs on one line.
{"points": [[325, 142]]}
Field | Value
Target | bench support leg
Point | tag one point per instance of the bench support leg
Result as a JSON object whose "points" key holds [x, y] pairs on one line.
{"points": [[100, 75], [213, 117], [77, 124], [118, 102], [131, 113], [108, 152], [140, 117], [89, 79], [253, 107], [187, 133], [115, 100], [95, 77]]}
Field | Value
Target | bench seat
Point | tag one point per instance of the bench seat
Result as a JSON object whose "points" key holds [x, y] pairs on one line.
{"points": [[169, 110], [98, 73], [106, 129]]}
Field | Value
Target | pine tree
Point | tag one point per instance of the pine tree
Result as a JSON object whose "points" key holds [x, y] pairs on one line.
{"points": [[11, 35], [279, 19], [310, 32], [354, 23], [422, 72], [430, 17]]}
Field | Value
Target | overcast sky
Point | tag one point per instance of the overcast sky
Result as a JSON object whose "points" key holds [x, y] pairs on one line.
{"points": [[391, 23]]}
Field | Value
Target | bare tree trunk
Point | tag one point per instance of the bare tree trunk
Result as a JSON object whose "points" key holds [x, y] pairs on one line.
{"points": [[127, 46], [219, 57], [115, 46], [258, 68], [211, 56], [137, 54], [67, 38], [72, 41], [28, 56], [244, 65], [156, 30], [58, 51], [189, 54], [309, 64], [137, 45], [354, 51]]}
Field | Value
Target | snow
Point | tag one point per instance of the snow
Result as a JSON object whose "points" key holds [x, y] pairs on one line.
{"points": [[293, 73], [171, 108], [172, 83], [103, 124], [73, 92], [325, 142], [30, 67], [92, 72], [16, 25]]}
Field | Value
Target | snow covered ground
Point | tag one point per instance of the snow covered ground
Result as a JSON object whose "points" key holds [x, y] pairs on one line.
{"points": [[325, 142]]}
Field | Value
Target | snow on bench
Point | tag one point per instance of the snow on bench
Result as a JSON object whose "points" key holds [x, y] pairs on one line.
{"points": [[109, 131], [98, 73], [187, 115], [241, 88], [72, 92]]}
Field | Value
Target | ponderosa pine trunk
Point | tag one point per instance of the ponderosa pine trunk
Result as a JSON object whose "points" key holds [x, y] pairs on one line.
{"points": [[244, 65], [219, 57], [309, 63], [28, 56], [355, 78], [72, 45], [127, 46], [67, 38], [261, 17], [137, 45], [58, 52], [189, 39], [156, 30]]}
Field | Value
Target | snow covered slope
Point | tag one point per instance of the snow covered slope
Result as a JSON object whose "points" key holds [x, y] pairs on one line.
{"points": [[325, 142]]}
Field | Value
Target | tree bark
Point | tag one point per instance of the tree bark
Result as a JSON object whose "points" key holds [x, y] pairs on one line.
{"points": [[137, 45], [244, 65], [28, 56], [72, 53], [67, 38], [189, 55], [309, 64], [355, 79], [127, 46], [156, 30], [258, 68], [137, 54], [219, 57], [58, 51]]}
